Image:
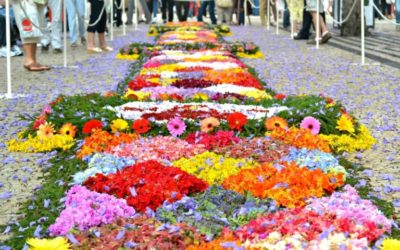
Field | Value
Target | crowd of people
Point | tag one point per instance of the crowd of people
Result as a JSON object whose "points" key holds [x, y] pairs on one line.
{"points": [[36, 22]]}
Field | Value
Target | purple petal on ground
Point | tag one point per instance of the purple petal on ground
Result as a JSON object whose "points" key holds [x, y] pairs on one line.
{"points": [[6, 195]]}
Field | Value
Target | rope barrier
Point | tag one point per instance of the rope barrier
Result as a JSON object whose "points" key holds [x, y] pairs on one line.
{"points": [[253, 4], [348, 15], [27, 17], [383, 16]]}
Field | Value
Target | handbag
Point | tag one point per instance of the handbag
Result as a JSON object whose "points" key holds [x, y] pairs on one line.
{"points": [[29, 22], [224, 3]]}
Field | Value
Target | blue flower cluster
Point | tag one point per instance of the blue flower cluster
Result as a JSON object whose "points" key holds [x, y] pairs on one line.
{"points": [[314, 159], [214, 209], [102, 163]]}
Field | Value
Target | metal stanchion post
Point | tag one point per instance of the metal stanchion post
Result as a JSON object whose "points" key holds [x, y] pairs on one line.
{"points": [[291, 26], [362, 33], [277, 18], [245, 12], [123, 18], [136, 19], [317, 28], [112, 20], [65, 32], [268, 14], [8, 38]]}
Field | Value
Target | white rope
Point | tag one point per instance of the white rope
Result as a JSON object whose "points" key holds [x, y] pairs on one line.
{"points": [[99, 18], [383, 16], [348, 15]]}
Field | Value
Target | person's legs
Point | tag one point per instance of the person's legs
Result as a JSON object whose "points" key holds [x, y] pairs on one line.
{"points": [[179, 9], [131, 8], [397, 10], [102, 40], [220, 13], [80, 8], [56, 23], [90, 40], [29, 53], [286, 16], [211, 10], [71, 15], [263, 5], [200, 12], [155, 8], [186, 6], [170, 5]]}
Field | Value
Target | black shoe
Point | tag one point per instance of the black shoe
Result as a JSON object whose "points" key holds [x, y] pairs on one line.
{"points": [[297, 37], [45, 48], [57, 51]]}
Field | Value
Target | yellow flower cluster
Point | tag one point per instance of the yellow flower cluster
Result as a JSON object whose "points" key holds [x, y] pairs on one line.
{"points": [[390, 244], [141, 95], [351, 143], [257, 55], [127, 57], [58, 243], [256, 94], [213, 168], [345, 124], [41, 144]]}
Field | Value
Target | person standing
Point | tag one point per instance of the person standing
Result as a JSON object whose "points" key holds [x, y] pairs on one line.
{"points": [[53, 36], [97, 23], [323, 33], [224, 11], [182, 10], [202, 5], [167, 10], [76, 18], [30, 31]]}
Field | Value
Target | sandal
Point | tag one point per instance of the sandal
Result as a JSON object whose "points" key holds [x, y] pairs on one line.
{"points": [[107, 48], [36, 67], [94, 50]]}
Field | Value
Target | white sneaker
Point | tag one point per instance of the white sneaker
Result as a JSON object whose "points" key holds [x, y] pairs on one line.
{"points": [[17, 50], [3, 52]]}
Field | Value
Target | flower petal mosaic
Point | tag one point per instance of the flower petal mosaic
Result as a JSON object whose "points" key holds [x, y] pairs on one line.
{"points": [[194, 151]]}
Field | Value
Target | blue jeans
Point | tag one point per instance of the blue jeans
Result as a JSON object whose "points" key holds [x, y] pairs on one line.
{"points": [[286, 16], [76, 16], [12, 17], [155, 8], [211, 10], [397, 7]]}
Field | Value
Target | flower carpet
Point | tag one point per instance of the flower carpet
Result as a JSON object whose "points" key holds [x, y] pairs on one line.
{"points": [[194, 151]]}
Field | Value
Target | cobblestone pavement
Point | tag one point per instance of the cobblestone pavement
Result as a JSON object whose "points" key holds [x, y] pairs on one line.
{"points": [[292, 67]]}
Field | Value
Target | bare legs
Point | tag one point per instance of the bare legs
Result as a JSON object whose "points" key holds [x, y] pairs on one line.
{"points": [[30, 62], [91, 44], [322, 24]]}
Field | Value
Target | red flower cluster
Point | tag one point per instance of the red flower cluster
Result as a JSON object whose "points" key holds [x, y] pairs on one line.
{"points": [[147, 184], [237, 120], [309, 224], [280, 96], [91, 126], [139, 83], [218, 140]]}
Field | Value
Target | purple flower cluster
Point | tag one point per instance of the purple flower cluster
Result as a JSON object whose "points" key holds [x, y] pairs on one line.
{"points": [[85, 209]]}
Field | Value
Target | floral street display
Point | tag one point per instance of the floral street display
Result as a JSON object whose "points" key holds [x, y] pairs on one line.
{"points": [[194, 151]]}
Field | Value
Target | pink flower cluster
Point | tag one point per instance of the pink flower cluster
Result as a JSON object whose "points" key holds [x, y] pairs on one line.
{"points": [[349, 205], [158, 148], [85, 209]]}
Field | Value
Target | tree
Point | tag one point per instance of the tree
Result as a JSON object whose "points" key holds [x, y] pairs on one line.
{"points": [[353, 26]]}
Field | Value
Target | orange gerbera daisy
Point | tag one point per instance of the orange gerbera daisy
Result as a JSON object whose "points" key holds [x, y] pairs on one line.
{"points": [[46, 130], [92, 125], [208, 124], [276, 122], [237, 120], [68, 129]]}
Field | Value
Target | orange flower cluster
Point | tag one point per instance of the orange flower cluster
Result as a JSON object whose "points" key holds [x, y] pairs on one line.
{"points": [[236, 77], [290, 186], [226, 241], [300, 138], [102, 140]]}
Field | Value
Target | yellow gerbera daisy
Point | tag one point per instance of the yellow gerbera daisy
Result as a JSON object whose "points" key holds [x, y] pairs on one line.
{"points": [[68, 129], [119, 125], [58, 243], [390, 244]]}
